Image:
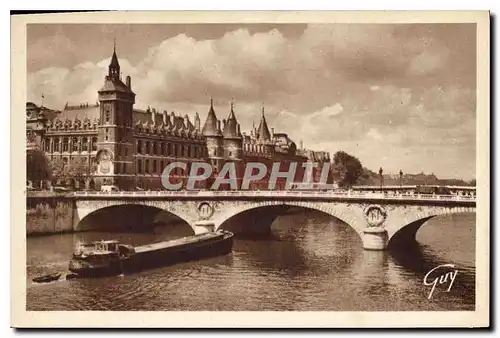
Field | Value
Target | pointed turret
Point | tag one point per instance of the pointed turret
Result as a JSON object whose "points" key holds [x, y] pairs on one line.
{"points": [[231, 125], [114, 66], [263, 131], [210, 127]]}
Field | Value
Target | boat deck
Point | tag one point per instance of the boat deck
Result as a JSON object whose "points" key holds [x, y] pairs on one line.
{"points": [[177, 242]]}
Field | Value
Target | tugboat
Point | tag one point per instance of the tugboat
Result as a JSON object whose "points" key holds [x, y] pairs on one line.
{"points": [[111, 258]]}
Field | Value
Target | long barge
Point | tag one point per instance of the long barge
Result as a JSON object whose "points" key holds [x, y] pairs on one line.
{"points": [[108, 258]]}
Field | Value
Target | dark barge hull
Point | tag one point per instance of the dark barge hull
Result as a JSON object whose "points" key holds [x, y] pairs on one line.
{"points": [[170, 255], [159, 255]]}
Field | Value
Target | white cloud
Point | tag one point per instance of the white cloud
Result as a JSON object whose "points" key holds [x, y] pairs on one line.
{"points": [[315, 86]]}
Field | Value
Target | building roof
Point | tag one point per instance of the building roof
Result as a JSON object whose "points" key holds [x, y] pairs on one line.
{"points": [[114, 84], [263, 133], [210, 127], [231, 127]]}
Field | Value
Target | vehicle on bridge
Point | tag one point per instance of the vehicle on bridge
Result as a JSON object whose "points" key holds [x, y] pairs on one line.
{"points": [[111, 258], [432, 190]]}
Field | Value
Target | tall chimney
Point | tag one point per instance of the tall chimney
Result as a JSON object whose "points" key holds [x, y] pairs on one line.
{"points": [[129, 82]]}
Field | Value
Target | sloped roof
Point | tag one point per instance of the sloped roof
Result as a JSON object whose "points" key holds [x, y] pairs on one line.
{"points": [[210, 126]]}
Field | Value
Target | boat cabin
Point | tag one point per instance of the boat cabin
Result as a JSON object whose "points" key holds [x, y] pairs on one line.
{"points": [[98, 247]]}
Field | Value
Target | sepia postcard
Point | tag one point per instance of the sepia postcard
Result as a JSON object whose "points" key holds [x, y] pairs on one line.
{"points": [[250, 169]]}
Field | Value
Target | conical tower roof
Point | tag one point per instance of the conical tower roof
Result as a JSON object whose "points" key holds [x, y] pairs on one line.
{"points": [[231, 127], [263, 131], [210, 126]]}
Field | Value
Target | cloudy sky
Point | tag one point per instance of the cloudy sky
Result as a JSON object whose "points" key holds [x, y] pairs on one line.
{"points": [[396, 96]]}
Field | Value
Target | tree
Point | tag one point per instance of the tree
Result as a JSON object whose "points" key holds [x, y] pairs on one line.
{"points": [[37, 166], [346, 169], [59, 170], [79, 169]]}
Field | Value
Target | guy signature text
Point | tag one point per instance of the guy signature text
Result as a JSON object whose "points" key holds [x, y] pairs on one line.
{"points": [[443, 278]]}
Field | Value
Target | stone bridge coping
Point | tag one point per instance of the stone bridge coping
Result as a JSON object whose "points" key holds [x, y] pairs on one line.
{"points": [[320, 195]]}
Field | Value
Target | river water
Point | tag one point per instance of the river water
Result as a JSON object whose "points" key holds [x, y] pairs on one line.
{"points": [[309, 262]]}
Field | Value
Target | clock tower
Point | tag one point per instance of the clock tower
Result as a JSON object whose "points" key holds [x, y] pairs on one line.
{"points": [[114, 158]]}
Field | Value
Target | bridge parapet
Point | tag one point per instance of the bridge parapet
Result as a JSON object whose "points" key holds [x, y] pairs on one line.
{"points": [[321, 195]]}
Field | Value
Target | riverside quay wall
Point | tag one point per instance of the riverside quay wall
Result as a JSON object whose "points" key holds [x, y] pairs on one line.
{"points": [[48, 213]]}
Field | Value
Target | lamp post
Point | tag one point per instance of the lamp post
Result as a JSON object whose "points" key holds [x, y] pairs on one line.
{"points": [[380, 172], [400, 178]]}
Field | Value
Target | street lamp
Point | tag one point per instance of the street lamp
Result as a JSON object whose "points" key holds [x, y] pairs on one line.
{"points": [[400, 178], [380, 171]]}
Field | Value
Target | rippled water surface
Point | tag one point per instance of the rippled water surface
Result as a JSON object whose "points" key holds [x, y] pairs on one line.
{"points": [[310, 262]]}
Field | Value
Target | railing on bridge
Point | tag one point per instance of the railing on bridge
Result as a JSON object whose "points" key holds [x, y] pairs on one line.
{"points": [[279, 193]]}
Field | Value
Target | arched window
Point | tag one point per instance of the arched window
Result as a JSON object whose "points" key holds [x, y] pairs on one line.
{"points": [[94, 143], [85, 144], [74, 144], [139, 146], [65, 144]]}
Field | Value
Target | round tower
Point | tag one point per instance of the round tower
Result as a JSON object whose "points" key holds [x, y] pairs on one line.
{"points": [[233, 141], [213, 135], [263, 136]]}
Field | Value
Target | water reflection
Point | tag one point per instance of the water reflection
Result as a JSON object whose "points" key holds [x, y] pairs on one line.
{"points": [[309, 262]]}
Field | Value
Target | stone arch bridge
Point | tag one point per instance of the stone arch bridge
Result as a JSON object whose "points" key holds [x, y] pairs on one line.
{"points": [[379, 219]]}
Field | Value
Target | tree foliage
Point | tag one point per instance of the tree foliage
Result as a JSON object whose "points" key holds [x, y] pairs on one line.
{"points": [[37, 166], [346, 169], [59, 170]]}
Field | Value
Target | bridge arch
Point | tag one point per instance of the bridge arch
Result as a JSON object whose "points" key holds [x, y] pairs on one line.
{"points": [[125, 214], [338, 211], [404, 233]]}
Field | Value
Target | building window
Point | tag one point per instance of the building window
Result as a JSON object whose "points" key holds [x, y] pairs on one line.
{"points": [[106, 138], [124, 168], [117, 168], [162, 149], [74, 144], [146, 169], [176, 148], [85, 144], [161, 166], [47, 145], [139, 146], [139, 166], [153, 169], [155, 148], [169, 149], [126, 151], [148, 148], [107, 112], [94, 143], [65, 144]]}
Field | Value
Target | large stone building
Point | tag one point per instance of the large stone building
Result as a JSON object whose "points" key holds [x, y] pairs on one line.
{"points": [[119, 145]]}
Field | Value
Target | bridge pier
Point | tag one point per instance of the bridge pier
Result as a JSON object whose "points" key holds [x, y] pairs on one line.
{"points": [[375, 238], [201, 227]]}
